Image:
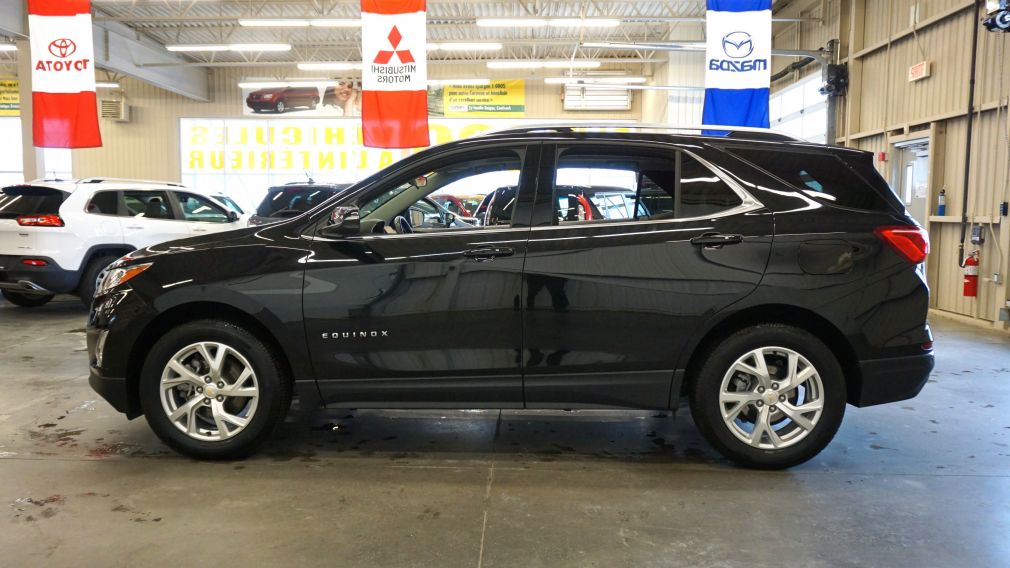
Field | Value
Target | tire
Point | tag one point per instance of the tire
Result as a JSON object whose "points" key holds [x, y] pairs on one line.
{"points": [[280, 107], [89, 280], [23, 300], [203, 439], [746, 398]]}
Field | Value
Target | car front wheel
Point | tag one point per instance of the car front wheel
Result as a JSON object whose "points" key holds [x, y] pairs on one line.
{"points": [[280, 107], [211, 390], [770, 396]]}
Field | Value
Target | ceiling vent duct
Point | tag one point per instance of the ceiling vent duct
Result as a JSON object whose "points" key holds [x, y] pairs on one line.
{"points": [[577, 97]]}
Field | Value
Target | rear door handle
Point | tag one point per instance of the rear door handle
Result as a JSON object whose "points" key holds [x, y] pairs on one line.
{"points": [[716, 240], [489, 253]]}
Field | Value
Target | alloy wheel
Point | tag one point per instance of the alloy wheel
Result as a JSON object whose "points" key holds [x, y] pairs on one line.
{"points": [[209, 391], [771, 398]]}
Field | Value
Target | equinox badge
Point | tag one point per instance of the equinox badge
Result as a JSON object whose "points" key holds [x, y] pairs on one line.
{"points": [[355, 334]]}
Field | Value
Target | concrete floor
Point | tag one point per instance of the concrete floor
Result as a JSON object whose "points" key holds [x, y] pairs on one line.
{"points": [[920, 483]]}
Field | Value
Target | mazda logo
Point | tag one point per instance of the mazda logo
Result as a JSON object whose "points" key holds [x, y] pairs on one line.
{"points": [[62, 47], [737, 45]]}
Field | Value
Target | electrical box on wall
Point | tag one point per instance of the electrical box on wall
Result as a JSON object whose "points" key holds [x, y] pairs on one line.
{"points": [[977, 234], [114, 109]]}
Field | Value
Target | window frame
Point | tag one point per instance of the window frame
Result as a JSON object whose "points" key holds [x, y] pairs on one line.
{"points": [[553, 153]]}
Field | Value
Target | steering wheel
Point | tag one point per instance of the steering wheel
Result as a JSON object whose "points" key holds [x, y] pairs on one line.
{"points": [[402, 226]]}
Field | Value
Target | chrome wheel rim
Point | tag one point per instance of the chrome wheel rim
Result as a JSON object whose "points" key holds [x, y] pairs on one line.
{"points": [[209, 391], [771, 398]]}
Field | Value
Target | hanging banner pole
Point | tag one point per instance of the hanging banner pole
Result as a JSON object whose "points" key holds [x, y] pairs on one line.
{"points": [[737, 62], [64, 105], [394, 76]]}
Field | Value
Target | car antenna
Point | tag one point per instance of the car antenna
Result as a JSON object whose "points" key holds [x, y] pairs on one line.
{"points": [[310, 178]]}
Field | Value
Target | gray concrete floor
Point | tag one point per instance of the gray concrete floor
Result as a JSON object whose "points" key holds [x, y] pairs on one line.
{"points": [[924, 482]]}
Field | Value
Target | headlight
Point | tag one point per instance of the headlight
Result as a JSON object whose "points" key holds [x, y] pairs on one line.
{"points": [[117, 276]]}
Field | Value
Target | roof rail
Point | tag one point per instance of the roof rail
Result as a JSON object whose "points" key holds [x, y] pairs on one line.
{"points": [[125, 180], [732, 131]]}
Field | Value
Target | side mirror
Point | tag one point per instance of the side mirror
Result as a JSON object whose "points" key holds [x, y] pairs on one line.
{"points": [[344, 221], [232, 216]]}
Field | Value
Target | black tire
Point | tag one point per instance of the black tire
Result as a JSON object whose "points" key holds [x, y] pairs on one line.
{"points": [[273, 384], [89, 280], [23, 300], [280, 107], [706, 385]]}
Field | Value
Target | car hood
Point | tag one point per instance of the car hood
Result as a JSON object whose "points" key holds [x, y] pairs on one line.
{"points": [[248, 236]]}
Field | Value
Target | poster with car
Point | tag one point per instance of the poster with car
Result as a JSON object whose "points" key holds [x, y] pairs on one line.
{"points": [[338, 98]]}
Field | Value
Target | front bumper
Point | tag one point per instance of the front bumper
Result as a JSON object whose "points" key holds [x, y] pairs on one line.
{"points": [[115, 325], [261, 104], [41, 280], [115, 391], [890, 380]]}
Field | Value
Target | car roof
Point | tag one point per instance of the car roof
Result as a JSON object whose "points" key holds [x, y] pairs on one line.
{"points": [[96, 183], [306, 186]]}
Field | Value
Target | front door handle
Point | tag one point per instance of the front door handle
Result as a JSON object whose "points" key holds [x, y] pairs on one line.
{"points": [[488, 253], [716, 240]]}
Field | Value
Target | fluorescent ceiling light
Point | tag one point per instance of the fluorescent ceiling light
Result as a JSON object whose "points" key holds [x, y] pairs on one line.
{"points": [[230, 47], [593, 80], [301, 23], [330, 66], [8, 47], [465, 46], [555, 64], [552, 22], [289, 83], [106, 85], [440, 82]]}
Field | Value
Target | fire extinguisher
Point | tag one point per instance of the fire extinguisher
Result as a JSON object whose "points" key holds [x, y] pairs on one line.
{"points": [[971, 275]]}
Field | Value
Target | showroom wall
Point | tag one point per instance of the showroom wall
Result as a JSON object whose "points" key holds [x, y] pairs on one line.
{"points": [[880, 41], [148, 145]]}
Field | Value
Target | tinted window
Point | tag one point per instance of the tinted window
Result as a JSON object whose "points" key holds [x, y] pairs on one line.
{"points": [[822, 176], [150, 204], [104, 203], [200, 209], [285, 201], [595, 184], [18, 200]]}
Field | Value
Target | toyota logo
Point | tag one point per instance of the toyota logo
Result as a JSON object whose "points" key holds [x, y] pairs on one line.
{"points": [[737, 45], [62, 47]]}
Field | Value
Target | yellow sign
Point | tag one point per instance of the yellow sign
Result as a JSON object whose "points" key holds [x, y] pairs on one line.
{"points": [[10, 98], [502, 99]]}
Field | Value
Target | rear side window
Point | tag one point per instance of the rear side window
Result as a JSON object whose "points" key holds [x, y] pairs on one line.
{"points": [[18, 200], [603, 184], [104, 203], [821, 176], [149, 204]]}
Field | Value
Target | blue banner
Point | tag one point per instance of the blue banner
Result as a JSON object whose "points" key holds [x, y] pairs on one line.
{"points": [[737, 63]]}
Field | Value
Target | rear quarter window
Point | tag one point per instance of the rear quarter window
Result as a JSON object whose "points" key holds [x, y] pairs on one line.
{"points": [[825, 177], [18, 200]]}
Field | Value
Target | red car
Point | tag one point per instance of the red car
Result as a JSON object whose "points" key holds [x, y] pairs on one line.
{"points": [[281, 99]]}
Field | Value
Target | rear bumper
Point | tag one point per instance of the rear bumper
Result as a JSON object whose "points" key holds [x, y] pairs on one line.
{"points": [[49, 279], [890, 380]]}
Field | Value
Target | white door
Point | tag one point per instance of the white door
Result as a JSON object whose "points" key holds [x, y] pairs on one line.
{"points": [[151, 219]]}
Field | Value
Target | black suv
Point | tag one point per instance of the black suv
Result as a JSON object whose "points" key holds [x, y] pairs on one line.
{"points": [[293, 199], [768, 280]]}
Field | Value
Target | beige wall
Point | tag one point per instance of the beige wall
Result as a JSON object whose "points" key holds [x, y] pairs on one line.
{"points": [[148, 146], [883, 108]]}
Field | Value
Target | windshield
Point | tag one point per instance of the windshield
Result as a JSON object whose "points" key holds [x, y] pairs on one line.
{"points": [[18, 200], [280, 200]]}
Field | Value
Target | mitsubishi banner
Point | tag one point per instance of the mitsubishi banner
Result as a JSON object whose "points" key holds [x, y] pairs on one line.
{"points": [[738, 62]]}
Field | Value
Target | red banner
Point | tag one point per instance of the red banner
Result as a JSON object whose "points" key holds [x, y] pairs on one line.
{"points": [[394, 76], [64, 106]]}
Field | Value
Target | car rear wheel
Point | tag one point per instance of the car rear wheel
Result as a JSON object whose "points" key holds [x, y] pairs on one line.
{"points": [[26, 300], [93, 274], [770, 396], [211, 390]]}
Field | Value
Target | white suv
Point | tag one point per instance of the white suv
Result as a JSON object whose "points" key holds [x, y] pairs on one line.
{"points": [[58, 236]]}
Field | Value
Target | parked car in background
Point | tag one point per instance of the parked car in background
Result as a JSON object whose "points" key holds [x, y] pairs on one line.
{"points": [[452, 204], [285, 201], [768, 280], [58, 236], [282, 99]]}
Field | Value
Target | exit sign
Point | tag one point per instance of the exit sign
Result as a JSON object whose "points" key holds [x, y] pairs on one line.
{"points": [[918, 71]]}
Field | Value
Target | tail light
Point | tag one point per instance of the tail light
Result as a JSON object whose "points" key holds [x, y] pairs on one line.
{"points": [[912, 243], [34, 262], [47, 220]]}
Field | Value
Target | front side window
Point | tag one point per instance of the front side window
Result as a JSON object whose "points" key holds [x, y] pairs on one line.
{"points": [[596, 184], [200, 209], [147, 204], [493, 177]]}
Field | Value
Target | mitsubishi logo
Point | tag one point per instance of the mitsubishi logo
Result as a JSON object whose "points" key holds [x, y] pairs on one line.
{"points": [[384, 56], [62, 47]]}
